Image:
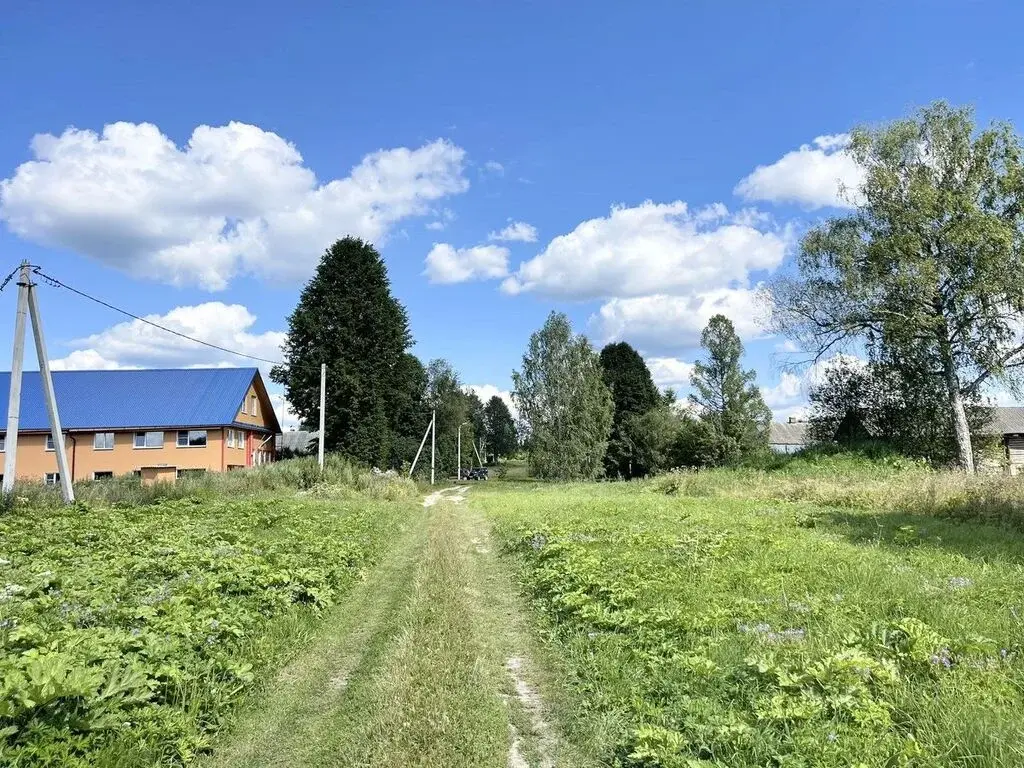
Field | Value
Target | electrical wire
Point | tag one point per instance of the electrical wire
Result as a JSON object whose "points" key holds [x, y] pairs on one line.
{"points": [[59, 284]]}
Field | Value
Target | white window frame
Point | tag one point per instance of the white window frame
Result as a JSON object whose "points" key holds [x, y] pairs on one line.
{"points": [[51, 478], [3, 443], [253, 409], [49, 442], [187, 435], [96, 437], [145, 440]]}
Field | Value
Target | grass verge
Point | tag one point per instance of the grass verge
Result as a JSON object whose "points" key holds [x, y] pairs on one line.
{"points": [[722, 630]]}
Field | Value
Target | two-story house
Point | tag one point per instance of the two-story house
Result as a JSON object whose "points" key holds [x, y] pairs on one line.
{"points": [[154, 424]]}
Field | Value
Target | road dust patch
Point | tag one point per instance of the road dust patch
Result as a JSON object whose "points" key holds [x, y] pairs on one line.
{"points": [[456, 495], [480, 545], [529, 700], [339, 682]]}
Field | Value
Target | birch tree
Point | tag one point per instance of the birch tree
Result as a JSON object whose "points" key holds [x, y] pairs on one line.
{"points": [[928, 269], [564, 406]]}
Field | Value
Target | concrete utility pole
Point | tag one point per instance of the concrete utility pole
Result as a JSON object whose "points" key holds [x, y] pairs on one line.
{"points": [[458, 472], [433, 443], [27, 296], [430, 425], [323, 407], [14, 397]]}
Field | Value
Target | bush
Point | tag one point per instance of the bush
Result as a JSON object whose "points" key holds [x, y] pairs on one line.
{"points": [[290, 474]]}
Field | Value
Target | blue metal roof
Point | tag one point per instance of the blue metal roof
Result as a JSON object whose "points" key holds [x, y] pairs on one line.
{"points": [[193, 397]]}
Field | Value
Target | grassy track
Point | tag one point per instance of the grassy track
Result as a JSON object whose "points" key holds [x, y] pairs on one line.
{"points": [[718, 630], [412, 670]]}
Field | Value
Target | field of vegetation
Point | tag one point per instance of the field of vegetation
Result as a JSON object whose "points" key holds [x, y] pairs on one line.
{"points": [[831, 613], [131, 621]]}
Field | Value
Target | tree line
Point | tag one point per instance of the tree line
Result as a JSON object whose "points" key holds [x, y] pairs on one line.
{"points": [[921, 285], [580, 414]]}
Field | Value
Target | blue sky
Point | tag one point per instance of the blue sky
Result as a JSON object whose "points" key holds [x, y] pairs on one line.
{"points": [[195, 160]]}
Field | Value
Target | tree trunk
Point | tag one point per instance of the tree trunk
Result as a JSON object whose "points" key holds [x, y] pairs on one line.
{"points": [[961, 429]]}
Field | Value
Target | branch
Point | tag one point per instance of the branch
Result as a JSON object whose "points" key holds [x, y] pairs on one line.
{"points": [[971, 388]]}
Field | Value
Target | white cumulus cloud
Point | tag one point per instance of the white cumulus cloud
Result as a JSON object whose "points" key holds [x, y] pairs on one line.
{"points": [[664, 323], [814, 176], [670, 372], [486, 391], [234, 199], [447, 264], [651, 248], [517, 231], [135, 344]]}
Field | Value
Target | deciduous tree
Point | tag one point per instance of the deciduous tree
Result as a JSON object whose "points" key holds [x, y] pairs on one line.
{"points": [[929, 268], [564, 405], [500, 428]]}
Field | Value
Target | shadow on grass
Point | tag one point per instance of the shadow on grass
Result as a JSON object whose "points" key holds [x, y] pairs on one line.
{"points": [[906, 531]]}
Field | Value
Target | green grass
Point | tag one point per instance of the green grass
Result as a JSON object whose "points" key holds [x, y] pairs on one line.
{"points": [[130, 626], [830, 615], [408, 671]]}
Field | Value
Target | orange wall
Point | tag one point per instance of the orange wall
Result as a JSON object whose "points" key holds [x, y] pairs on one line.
{"points": [[34, 461], [263, 409]]}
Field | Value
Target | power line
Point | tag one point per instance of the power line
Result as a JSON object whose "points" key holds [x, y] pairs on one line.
{"points": [[58, 284]]}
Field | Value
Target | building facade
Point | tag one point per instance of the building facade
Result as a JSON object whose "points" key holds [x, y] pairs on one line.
{"points": [[154, 424]]}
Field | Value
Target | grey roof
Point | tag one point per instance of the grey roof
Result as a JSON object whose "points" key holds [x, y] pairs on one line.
{"points": [[297, 440], [1008, 420], [788, 433]]}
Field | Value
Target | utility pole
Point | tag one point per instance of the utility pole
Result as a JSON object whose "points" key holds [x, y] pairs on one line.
{"points": [[27, 297], [430, 426], [458, 471], [14, 398], [433, 443], [323, 407]]}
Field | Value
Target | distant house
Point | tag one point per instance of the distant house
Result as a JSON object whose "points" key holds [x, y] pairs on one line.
{"points": [[788, 437], [297, 442], [154, 424], [1007, 425]]}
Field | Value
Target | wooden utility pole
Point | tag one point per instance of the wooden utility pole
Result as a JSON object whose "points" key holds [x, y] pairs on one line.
{"points": [[323, 408], [27, 298]]}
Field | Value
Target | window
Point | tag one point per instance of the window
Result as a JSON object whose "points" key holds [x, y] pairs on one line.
{"points": [[190, 473], [102, 475], [236, 438], [252, 405], [49, 442], [3, 443], [149, 439], [103, 441], [51, 478], [192, 438]]}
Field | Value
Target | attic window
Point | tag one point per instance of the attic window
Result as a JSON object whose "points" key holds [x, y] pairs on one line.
{"points": [[252, 406]]}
